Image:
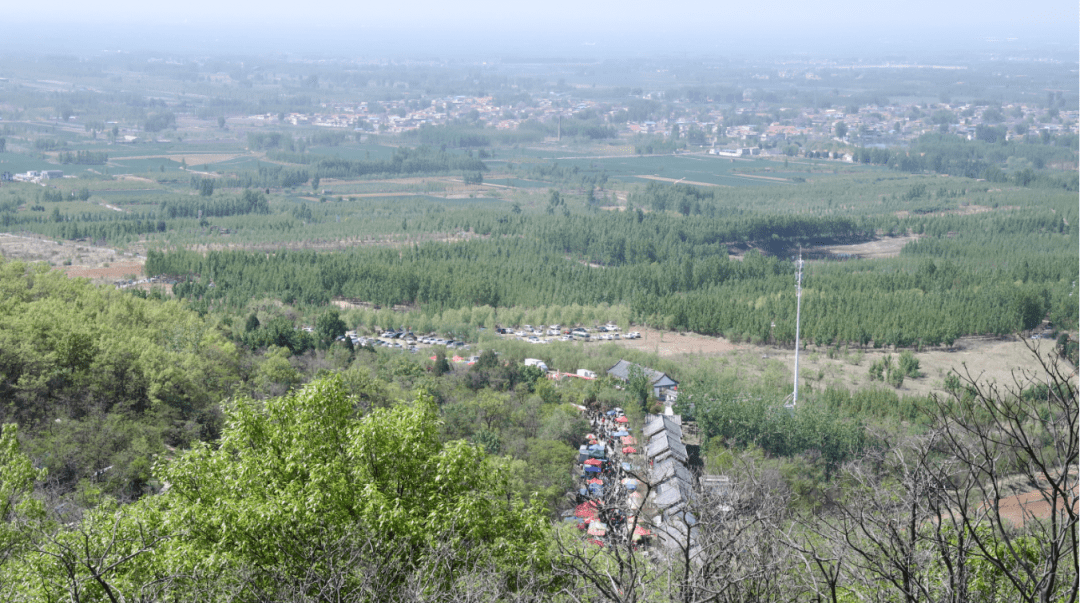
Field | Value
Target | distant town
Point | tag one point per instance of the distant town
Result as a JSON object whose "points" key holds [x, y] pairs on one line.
{"points": [[863, 126]]}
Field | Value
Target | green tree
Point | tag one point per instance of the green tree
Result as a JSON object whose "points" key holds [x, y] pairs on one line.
{"points": [[252, 323], [329, 326], [1028, 310], [17, 505], [291, 476], [441, 365], [909, 364], [640, 388], [841, 130]]}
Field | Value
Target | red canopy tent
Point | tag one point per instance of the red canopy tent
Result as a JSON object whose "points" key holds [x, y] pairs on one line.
{"points": [[628, 440], [595, 481], [629, 450], [595, 462], [586, 510], [621, 420]]}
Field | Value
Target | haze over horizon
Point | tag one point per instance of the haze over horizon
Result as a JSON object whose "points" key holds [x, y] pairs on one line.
{"points": [[560, 28]]}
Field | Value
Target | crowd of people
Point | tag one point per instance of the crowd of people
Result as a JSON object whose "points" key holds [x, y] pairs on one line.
{"points": [[609, 494]]}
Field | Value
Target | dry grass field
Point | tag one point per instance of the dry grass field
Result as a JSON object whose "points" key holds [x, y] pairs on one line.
{"points": [[100, 264], [988, 359]]}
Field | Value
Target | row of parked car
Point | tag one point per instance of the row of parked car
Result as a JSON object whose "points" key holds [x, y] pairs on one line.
{"points": [[531, 334], [424, 339], [404, 340]]}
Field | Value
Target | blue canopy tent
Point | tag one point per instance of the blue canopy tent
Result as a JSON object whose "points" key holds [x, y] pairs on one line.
{"points": [[592, 469], [621, 433]]}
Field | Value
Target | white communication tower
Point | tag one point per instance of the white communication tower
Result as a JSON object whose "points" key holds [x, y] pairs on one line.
{"points": [[798, 318]]}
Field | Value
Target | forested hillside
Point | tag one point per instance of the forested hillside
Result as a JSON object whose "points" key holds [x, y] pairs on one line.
{"points": [[992, 272]]}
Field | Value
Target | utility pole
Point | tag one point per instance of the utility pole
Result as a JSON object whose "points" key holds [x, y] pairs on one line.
{"points": [[798, 317]]}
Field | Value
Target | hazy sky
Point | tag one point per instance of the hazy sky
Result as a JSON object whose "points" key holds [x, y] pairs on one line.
{"points": [[431, 25]]}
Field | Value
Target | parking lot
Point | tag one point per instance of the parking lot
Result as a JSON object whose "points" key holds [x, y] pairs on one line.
{"points": [[546, 334], [414, 343]]}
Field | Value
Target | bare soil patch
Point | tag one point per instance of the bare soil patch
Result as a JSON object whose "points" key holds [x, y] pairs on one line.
{"points": [[76, 259], [963, 210], [111, 273], [134, 178], [885, 247], [667, 343]]}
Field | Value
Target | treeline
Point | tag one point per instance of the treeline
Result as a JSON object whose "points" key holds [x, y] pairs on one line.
{"points": [[84, 157], [405, 161], [955, 156], [249, 202], [567, 175], [268, 176]]}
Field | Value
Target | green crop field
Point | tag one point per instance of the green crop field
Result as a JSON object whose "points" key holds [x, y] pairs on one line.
{"points": [[139, 166], [518, 182], [17, 162]]}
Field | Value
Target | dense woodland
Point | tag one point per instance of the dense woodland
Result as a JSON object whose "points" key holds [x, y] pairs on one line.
{"points": [[676, 271]]}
